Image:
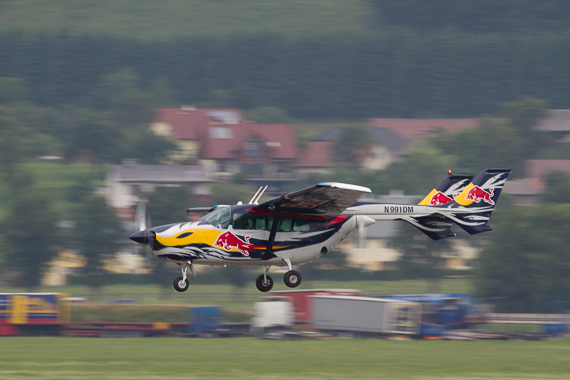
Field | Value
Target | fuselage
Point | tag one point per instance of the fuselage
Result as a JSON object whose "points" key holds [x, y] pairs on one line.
{"points": [[239, 235]]}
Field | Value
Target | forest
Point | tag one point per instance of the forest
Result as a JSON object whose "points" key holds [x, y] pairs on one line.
{"points": [[408, 58]]}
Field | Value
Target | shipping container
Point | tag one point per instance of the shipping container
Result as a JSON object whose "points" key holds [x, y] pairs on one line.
{"points": [[272, 312], [204, 319], [302, 304], [366, 315], [32, 312]]}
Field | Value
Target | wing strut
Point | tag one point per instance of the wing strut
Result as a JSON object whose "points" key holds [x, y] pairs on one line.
{"points": [[269, 251]]}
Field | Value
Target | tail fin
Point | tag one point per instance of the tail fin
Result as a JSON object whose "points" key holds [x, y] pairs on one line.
{"points": [[447, 190], [472, 208], [437, 226]]}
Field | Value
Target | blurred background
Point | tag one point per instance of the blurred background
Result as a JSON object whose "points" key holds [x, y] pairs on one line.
{"points": [[104, 104]]}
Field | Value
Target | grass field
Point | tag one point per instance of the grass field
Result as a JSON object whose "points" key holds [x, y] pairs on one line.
{"points": [[249, 358]]}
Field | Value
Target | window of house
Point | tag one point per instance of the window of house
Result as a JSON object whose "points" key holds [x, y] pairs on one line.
{"points": [[252, 148], [252, 169], [221, 132]]}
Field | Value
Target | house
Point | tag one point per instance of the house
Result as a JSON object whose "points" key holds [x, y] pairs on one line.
{"points": [[388, 140], [187, 125], [125, 183], [537, 169], [418, 129], [558, 123], [525, 192], [226, 144], [263, 153], [316, 158]]}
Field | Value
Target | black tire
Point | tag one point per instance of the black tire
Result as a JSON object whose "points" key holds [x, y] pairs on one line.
{"points": [[264, 287], [181, 286], [292, 279]]}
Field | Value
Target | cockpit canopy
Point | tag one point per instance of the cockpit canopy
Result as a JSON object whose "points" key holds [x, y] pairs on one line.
{"points": [[245, 219]]}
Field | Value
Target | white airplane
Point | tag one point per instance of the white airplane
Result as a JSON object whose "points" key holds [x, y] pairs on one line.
{"points": [[300, 226]]}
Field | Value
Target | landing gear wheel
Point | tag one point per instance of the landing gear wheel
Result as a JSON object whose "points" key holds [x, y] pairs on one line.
{"points": [[262, 285], [292, 279], [180, 285]]}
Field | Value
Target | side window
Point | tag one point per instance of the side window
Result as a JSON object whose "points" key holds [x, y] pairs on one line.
{"points": [[285, 223], [288, 223], [301, 224], [248, 222]]}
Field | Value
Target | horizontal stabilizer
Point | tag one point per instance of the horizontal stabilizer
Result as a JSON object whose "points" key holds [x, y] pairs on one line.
{"points": [[435, 226]]}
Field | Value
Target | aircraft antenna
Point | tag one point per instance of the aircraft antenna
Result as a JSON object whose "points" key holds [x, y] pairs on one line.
{"points": [[255, 195], [263, 191]]}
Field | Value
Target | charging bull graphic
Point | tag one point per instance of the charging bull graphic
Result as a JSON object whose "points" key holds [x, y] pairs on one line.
{"points": [[227, 241], [476, 194], [439, 198]]}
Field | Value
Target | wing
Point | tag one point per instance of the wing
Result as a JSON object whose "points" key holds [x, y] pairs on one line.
{"points": [[326, 199]]}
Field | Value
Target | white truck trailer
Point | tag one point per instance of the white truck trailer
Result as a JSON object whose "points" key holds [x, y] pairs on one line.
{"points": [[366, 315]]}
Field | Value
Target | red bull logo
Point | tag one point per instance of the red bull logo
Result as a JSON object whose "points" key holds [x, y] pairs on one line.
{"points": [[476, 194], [439, 198], [228, 241]]}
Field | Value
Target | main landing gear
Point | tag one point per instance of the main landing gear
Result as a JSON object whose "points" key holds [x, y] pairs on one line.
{"points": [[181, 284], [292, 279]]}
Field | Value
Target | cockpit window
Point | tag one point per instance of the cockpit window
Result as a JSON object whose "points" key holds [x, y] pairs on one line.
{"points": [[248, 221], [218, 218]]}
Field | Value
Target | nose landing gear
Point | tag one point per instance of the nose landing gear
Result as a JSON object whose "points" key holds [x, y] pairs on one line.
{"points": [[181, 284]]}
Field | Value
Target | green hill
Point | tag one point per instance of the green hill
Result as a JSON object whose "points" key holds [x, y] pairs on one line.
{"points": [[159, 20], [167, 19]]}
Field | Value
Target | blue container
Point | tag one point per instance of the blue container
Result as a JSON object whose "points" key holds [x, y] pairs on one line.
{"points": [[204, 319], [432, 330], [555, 329]]}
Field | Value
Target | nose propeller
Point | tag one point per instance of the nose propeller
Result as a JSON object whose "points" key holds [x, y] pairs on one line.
{"points": [[140, 237], [143, 235]]}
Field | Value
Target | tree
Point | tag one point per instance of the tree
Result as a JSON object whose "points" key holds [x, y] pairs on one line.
{"points": [[268, 115], [420, 170], [12, 90], [121, 94], [524, 113], [421, 256], [98, 233], [93, 135], [494, 143], [351, 144], [168, 204], [527, 259], [29, 235], [557, 187]]}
